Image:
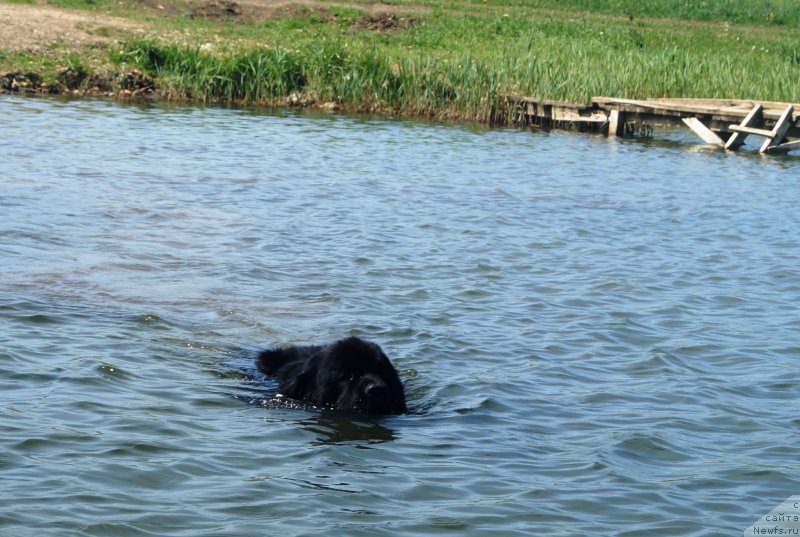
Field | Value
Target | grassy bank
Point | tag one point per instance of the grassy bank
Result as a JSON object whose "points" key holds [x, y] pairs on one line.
{"points": [[455, 60]]}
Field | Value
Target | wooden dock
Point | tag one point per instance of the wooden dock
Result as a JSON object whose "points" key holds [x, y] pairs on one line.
{"points": [[722, 122]]}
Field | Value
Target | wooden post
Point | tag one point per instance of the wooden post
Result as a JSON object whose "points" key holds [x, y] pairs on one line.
{"points": [[616, 123]]}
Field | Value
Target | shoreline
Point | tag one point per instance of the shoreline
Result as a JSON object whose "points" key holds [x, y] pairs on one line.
{"points": [[117, 87], [417, 59]]}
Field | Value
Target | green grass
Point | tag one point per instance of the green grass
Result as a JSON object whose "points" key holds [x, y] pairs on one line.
{"points": [[761, 12], [462, 64], [758, 12]]}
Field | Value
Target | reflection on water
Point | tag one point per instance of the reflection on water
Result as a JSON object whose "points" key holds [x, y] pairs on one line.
{"points": [[341, 428], [597, 337]]}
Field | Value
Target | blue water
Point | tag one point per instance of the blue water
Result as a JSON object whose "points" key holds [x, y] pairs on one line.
{"points": [[597, 337]]}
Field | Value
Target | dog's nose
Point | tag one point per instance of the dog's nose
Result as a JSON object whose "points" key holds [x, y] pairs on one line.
{"points": [[375, 390]]}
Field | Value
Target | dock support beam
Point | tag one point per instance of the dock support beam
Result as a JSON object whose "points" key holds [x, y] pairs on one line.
{"points": [[616, 123]]}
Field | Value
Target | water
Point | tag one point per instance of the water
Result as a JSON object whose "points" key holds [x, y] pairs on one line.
{"points": [[597, 337]]}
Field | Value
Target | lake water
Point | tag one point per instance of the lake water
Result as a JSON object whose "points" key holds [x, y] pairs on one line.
{"points": [[597, 337]]}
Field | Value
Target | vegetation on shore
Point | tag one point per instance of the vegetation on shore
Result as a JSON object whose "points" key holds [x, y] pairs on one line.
{"points": [[451, 60]]}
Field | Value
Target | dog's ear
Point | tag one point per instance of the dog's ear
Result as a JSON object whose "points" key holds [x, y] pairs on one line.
{"points": [[294, 367], [270, 361], [273, 360]]}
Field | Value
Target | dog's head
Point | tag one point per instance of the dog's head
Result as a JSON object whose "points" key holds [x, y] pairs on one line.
{"points": [[353, 374], [350, 374]]}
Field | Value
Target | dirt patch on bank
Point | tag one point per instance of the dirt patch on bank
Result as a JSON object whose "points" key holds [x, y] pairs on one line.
{"points": [[275, 9], [385, 22], [32, 27], [72, 81], [35, 27], [378, 17]]}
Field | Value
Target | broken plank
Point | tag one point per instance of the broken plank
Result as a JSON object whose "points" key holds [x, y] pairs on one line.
{"points": [[784, 147], [707, 135]]}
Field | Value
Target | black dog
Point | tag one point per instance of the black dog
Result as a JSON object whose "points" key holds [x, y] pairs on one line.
{"points": [[349, 374]]}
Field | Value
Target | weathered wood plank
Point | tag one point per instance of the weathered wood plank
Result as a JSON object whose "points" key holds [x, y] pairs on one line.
{"points": [[751, 130], [783, 148], [666, 106], [724, 109], [707, 135], [755, 117], [745, 103], [574, 116]]}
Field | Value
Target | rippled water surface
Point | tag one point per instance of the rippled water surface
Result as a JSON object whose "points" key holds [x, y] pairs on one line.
{"points": [[597, 337]]}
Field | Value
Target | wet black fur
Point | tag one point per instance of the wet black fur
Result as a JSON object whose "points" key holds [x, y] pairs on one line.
{"points": [[350, 374]]}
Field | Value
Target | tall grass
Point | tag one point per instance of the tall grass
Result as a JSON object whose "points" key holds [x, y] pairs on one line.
{"points": [[188, 72], [362, 79]]}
